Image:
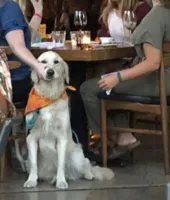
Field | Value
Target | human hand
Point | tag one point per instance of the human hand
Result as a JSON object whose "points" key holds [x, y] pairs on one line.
{"points": [[109, 81], [38, 5], [40, 68]]}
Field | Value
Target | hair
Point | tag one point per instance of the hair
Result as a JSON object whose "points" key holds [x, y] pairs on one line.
{"points": [[106, 8], [109, 5]]}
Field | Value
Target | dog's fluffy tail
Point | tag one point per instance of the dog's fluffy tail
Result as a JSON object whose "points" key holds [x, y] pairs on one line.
{"points": [[101, 173]]}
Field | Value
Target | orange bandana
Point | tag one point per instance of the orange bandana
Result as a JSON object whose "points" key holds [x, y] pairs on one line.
{"points": [[36, 102]]}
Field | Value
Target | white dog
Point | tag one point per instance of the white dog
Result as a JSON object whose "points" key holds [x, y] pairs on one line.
{"points": [[53, 155]]}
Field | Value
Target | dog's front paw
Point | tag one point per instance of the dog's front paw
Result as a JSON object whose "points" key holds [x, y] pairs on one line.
{"points": [[62, 185], [30, 183]]}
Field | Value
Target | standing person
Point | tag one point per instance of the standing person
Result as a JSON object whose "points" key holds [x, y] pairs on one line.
{"points": [[13, 25]]}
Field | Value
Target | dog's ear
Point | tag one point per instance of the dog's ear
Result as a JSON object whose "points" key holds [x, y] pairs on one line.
{"points": [[34, 77], [66, 72]]}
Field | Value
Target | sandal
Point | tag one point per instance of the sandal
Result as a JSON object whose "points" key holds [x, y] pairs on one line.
{"points": [[113, 153], [134, 145]]}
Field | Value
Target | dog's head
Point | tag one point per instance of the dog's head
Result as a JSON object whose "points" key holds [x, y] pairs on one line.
{"points": [[55, 67]]}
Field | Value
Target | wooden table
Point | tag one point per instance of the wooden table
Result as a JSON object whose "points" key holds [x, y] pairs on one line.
{"points": [[97, 54]]}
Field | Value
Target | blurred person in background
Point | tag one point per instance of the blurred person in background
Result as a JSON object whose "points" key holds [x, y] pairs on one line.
{"points": [[91, 7], [50, 13], [143, 7]]}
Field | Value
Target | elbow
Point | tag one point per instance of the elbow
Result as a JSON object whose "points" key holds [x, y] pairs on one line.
{"points": [[13, 48], [154, 65], [16, 48]]}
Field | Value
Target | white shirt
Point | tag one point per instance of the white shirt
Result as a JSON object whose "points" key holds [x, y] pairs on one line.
{"points": [[115, 26]]}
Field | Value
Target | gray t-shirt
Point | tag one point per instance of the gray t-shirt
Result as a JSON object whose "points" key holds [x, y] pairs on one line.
{"points": [[154, 29]]}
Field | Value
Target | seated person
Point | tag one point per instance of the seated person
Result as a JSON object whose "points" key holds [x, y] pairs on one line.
{"points": [[140, 80], [141, 10], [112, 25], [15, 32]]}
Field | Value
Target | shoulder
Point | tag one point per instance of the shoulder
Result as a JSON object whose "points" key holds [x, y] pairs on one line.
{"points": [[10, 4], [156, 14], [112, 14], [10, 7]]}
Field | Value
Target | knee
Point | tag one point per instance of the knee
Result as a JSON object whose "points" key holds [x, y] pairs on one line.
{"points": [[84, 88], [89, 88]]}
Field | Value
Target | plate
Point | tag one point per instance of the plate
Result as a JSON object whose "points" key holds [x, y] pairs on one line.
{"points": [[94, 42], [106, 40], [109, 45], [105, 45]]}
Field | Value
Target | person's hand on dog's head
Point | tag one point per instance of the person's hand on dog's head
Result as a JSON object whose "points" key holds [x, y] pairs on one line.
{"points": [[41, 70]]}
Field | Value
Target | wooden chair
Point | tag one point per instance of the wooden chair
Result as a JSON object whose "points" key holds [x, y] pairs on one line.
{"points": [[14, 122], [157, 106]]}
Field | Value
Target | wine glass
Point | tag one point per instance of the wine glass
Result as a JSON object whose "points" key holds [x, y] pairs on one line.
{"points": [[80, 19], [129, 22]]}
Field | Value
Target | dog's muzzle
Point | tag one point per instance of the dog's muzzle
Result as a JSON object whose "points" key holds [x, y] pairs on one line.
{"points": [[50, 73]]}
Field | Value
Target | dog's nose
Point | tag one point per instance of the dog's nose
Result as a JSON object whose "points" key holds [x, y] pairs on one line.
{"points": [[50, 72]]}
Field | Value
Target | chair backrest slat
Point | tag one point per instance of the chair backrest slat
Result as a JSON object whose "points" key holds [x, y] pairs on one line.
{"points": [[166, 61], [166, 47], [166, 53]]}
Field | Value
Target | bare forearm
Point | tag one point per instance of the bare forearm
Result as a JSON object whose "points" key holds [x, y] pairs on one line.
{"points": [[141, 69], [34, 24]]}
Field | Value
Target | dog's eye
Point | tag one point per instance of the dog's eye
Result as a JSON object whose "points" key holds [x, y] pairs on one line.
{"points": [[56, 61], [44, 61]]}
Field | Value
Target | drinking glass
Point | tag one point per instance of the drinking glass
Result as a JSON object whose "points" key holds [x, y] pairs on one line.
{"points": [[58, 38], [129, 22], [73, 36]]}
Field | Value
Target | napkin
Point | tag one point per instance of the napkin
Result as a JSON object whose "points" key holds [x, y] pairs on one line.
{"points": [[102, 76], [47, 45]]}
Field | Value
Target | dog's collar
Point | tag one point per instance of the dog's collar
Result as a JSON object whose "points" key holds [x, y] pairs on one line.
{"points": [[35, 101]]}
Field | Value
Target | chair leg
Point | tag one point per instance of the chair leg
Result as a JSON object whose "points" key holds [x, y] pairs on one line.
{"points": [[104, 132], [132, 125], [165, 131], [3, 167]]}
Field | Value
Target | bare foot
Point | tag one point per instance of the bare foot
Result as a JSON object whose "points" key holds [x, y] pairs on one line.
{"points": [[126, 139]]}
